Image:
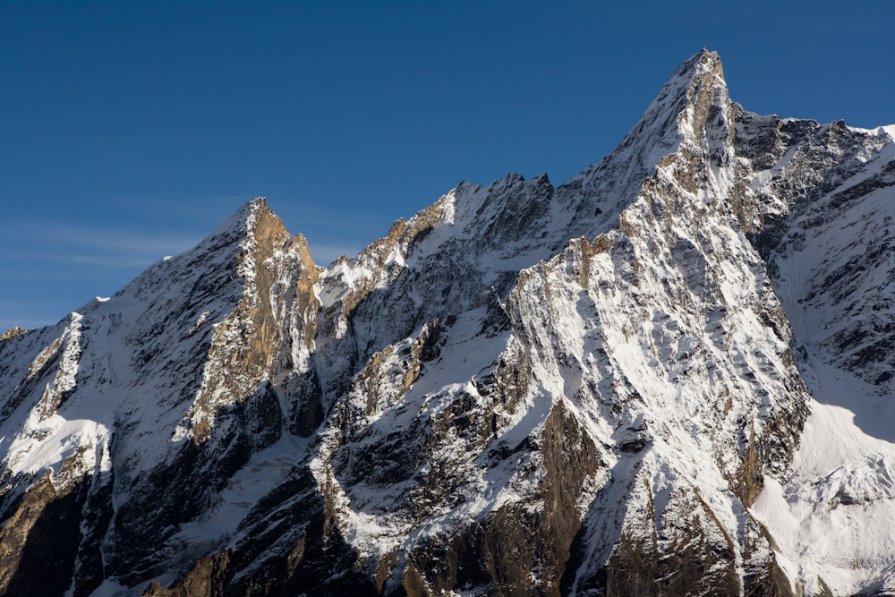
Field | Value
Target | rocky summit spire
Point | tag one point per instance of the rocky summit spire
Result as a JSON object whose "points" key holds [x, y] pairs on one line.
{"points": [[681, 109], [691, 112], [702, 61]]}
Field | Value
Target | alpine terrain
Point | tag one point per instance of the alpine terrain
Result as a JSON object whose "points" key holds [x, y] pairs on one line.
{"points": [[670, 375]]}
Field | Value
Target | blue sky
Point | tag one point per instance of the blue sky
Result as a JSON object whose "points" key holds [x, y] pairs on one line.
{"points": [[128, 131]]}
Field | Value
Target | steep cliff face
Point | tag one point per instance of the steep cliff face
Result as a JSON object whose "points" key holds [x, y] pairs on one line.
{"points": [[617, 386], [824, 205]]}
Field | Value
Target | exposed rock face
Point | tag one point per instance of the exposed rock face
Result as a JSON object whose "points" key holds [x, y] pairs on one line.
{"points": [[11, 333], [523, 390]]}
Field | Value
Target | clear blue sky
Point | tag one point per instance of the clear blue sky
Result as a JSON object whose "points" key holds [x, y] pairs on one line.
{"points": [[128, 131]]}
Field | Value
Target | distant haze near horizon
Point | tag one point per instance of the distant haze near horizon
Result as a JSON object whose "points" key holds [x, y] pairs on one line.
{"points": [[129, 132]]}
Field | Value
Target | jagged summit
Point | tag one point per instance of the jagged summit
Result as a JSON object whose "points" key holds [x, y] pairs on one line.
{"points": [[239, 221], [680, 112], [665, 376], [702, 62], [11, 333]]}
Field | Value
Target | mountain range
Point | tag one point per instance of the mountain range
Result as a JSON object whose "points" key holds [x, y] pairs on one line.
{"points": [[670, 375]]}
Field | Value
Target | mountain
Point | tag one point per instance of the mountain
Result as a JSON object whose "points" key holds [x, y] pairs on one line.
{"points": [[671, 375]]}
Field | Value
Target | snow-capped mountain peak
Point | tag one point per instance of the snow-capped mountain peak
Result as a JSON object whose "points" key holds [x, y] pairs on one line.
{"points": [[619, 385]]}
